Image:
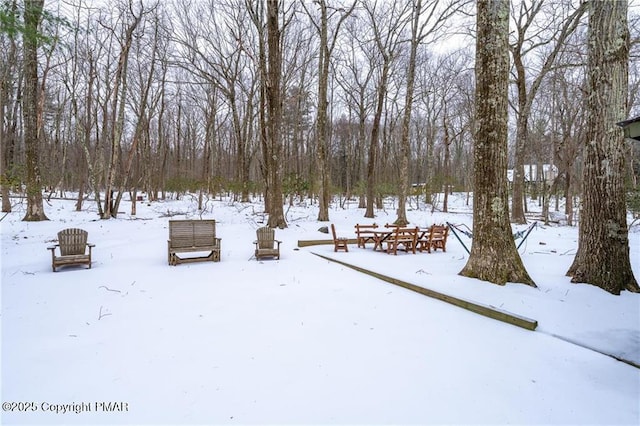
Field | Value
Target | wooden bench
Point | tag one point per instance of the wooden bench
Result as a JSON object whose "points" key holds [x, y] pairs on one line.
{"points": [[405, 237], [438, 237], [364, 234], [73, 249], [435, 238], [188, 236]]}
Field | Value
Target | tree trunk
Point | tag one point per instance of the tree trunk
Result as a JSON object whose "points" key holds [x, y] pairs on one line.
{"points": [[32, 16], [118, 118], [4, 163], [274, 115], [518, 198], [493, 257], [568, 197], [373, 143], [405, 148], [142, 122], [362, 140], [447, 162], [80, 197], [603, 243], [321, 128]]}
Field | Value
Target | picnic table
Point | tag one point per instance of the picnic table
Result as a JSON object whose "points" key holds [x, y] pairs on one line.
{"points": [[380, 236]]}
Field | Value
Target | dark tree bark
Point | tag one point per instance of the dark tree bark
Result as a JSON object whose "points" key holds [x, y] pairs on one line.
{"points": [[273, 97], [32, 17], [603, 243], [446, 172], [416, 37], [494, 257], [321, 121], [374, 141]]}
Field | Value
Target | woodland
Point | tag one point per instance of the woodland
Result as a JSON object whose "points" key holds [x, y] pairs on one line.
{"points": [[331, 99]]}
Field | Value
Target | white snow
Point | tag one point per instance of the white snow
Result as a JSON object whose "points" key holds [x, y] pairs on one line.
{"points": [[302, 340]]}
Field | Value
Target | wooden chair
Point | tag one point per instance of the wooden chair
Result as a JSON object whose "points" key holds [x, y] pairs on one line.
{"points": [[438, 237], [266, 243], [73, 248], [339, 243]]}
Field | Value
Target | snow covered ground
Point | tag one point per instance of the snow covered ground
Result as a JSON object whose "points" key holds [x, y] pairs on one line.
{"points": [[301, 340]]}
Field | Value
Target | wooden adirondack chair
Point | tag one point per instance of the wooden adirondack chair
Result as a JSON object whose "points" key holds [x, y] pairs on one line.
{"points": [[339, 243], [73, 248], [266, 244]]}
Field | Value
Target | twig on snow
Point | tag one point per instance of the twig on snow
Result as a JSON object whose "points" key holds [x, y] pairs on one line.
{"points": [[101, 315]]}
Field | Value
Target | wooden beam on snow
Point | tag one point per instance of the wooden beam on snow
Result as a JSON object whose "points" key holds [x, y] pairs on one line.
{"points": [[485, 310]]}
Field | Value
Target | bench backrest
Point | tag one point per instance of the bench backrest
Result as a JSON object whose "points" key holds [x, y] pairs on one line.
{"points": [[72, 241], [190, 233], [333, 232], [365, 228], [406, 232], [438, 232]]}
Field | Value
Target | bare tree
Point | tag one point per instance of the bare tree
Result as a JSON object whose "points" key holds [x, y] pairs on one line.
{"points": [[493, 257], [354, 76], [219, 49], [525, 44], [426, 20], [30, 106], [431, 106], [118, 102], [327, 45], [603, 245], [387, 24], [9, 95], [143, 84], [87, 121], [80, 55], [568, 123], [299, 76], [270, 63]]}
